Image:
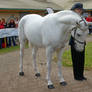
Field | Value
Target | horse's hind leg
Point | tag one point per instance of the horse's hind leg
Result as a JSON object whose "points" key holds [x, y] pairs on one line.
{"points": [[59, 55], [21, 73], [34, 52]]}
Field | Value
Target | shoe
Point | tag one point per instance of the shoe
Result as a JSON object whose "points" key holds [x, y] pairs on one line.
{"points": [[84, 78]]}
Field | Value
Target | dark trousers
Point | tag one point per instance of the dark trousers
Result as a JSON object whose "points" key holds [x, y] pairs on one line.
{"points": [[1, 43], [11, 40], [78, 59]]}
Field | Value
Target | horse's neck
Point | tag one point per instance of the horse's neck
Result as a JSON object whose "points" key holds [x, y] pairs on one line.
{"points": [[66, 12], [65, 33]]}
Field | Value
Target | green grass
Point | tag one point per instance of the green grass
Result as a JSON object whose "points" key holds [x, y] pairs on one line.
{"points": [[88, 57], [7, 50], [11, 49], [66, 56]]}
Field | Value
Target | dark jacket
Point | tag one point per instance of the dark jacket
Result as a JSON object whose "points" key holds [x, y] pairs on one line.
{"points": [[71, 41]]}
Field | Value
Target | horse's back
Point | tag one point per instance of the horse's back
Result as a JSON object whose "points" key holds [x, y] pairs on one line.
{"points": [[30, 18]]}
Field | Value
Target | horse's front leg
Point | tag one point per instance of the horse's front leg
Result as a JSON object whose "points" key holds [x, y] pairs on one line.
{"points": [[59, 56], [34, 52], [49, 52]]}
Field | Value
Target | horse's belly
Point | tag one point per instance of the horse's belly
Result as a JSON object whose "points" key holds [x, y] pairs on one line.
{"points": [[35, 38], [36, 41]]}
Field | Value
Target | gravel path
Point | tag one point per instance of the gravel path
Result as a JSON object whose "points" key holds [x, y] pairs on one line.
{"points": [[10, 81]]}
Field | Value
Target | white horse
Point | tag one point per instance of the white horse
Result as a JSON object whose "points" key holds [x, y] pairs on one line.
{"points": [[51, 32]]}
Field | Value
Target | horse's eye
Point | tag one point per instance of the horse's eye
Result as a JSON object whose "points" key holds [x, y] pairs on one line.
{"points": [[78, 35]]}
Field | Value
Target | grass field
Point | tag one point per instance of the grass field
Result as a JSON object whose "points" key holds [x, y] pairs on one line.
{"points": [[7, 50], [11, 49], [88, 57], [66, 56]]}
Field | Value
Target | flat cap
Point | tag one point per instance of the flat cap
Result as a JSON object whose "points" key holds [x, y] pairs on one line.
{"points": [[77, 6]]}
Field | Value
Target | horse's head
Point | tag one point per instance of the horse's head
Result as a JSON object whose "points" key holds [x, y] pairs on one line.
{"points": [[79, 39]]}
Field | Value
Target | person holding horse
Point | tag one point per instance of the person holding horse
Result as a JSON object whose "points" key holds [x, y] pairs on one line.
{"points": [[78, 57]]}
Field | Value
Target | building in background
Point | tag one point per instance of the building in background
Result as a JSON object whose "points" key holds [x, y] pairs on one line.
{"points": [[15, 9], [18, 8]]}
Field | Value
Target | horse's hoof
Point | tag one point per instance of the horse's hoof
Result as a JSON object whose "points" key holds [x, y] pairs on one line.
{"points": [[63, 83], [37, 75], [51, 87], [21, 73]]}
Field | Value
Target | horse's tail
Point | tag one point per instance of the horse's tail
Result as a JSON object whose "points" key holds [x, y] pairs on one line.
{"points": [[21, 32], [22, 43]]}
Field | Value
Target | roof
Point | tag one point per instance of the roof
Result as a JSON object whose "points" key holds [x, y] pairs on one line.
{"points": [[88, 4], [28, 4], [67, 4]]}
